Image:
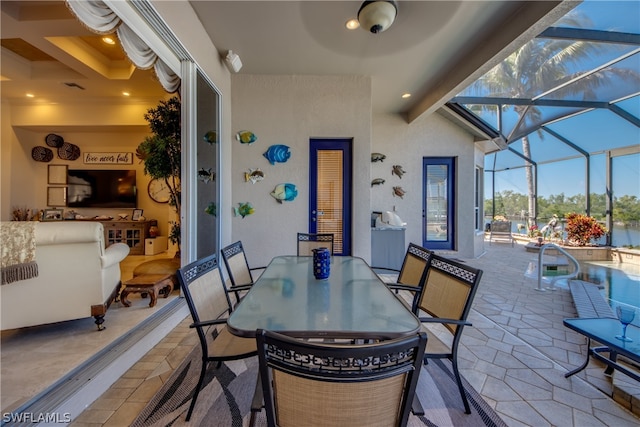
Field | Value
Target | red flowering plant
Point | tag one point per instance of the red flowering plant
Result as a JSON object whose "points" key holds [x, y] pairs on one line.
{"points": [[534, 232], [581, 229]]}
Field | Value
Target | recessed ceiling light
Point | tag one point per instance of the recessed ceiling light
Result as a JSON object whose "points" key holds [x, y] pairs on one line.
{"points": [[30, 95], [126, 93], [406, 95], [352, 24], [108, 40]]}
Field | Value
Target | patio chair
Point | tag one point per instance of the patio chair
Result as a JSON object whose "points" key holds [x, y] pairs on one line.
{"points": [[307, 242], [444, 304], [362, 385], [411, 275], [209, 304], [237, 266], [501, 231]]}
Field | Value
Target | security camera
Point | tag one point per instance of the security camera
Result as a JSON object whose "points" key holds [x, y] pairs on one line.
{"points": [[377, 16]]}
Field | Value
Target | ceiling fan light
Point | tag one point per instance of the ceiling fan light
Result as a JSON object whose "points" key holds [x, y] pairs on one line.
{"points": [[377, 16]]}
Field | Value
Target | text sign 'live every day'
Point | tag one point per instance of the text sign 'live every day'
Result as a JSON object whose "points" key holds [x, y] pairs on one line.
{"points": [[109, 158]]}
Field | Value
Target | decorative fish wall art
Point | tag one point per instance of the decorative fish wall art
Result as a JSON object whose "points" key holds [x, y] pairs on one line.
{"points": [[206, 175], [212, 209], [277, 153], [254, 175], [377, 181], [398, 192], [284, 192], [246, 137], [243, 209], [397, 170], [211, 137], [377, 157]]}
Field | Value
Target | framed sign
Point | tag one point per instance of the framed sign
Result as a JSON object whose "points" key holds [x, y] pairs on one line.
{"points": [[56, 196], [52, 215], [137, 214], [108, 158], [57, 174]]}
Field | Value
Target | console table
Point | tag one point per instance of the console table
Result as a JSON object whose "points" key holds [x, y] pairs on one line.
{"points": [[132, 233]]}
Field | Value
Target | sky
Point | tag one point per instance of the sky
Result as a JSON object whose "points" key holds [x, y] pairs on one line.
{"points": [[593, 131]]}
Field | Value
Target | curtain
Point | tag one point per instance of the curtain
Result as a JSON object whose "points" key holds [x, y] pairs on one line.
{"points": [[99, 18]]}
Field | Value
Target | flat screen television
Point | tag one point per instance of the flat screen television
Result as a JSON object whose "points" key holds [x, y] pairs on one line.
{"points": [[101, 188]]}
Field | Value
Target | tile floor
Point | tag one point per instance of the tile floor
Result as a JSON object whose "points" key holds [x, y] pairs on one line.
{"points": [[515, 355], [32, 359]]}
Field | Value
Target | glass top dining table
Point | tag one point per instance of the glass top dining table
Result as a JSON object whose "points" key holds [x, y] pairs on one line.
{"points": [[352, 303]]}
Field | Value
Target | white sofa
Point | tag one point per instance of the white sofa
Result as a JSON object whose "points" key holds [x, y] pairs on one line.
{"points": [[77, 277]]}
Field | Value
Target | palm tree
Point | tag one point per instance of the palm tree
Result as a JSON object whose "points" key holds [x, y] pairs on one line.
{"points": [[539, 66]]}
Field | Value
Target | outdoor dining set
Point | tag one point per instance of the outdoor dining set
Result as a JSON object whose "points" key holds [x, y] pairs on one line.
{"points": [[333, 335]]}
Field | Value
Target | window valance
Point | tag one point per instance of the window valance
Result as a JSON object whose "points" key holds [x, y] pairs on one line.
{"points": [[99, 18]]}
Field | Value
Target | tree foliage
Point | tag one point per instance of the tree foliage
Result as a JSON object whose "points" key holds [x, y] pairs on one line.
{"points": [[160, 152]]}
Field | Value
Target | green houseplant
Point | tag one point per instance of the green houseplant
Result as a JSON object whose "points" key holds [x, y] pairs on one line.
{"points": [[160, 153], [581, 229]]}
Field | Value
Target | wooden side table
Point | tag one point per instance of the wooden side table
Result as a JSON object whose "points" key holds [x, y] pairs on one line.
{"points": [[147, 283]]}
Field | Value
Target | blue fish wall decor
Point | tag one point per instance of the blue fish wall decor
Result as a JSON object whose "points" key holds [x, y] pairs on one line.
{"points": [[277, 153], [284, 192]]}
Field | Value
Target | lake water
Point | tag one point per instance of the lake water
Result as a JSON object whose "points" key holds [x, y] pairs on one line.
{"points": [[620, 235]]}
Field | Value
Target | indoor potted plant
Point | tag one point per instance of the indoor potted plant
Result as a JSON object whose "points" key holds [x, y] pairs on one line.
{"points": [[160, 153]]}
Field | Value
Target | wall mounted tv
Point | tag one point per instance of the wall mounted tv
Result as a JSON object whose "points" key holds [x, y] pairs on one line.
{"points": [[101, 188]]}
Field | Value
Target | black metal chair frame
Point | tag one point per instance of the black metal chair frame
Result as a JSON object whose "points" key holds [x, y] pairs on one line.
{"points": [[206, 328], [461, 274], [319, 237], [406, 279], [228, 252], [344, 363]]}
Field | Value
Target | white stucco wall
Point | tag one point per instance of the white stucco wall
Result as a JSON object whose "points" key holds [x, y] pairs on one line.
{"points": [[290, 110], [406, 145]]}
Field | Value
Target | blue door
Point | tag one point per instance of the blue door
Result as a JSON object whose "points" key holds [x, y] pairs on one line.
{"points": [[330, 190], [438, 212]]}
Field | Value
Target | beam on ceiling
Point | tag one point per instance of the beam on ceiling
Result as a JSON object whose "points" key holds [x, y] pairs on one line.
{"points": [[528, 21]]}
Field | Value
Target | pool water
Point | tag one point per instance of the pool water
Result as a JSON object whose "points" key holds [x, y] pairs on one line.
{"points": [[620, 281]]}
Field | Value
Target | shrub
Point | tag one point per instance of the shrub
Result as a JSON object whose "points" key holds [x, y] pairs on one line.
{"points": [[581, 229]]}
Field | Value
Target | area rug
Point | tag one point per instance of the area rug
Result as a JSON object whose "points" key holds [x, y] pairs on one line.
{"points": [[225, 399]]}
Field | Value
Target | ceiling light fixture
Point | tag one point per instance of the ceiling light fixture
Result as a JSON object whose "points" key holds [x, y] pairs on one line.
{"points": [[377, 16], [126, 93], [233, 62], [406, 95], [352, 24], [108, 40], [30, 95]]}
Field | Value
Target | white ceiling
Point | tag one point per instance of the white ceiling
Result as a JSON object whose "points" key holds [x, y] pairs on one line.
{"points": [[433, 50]]}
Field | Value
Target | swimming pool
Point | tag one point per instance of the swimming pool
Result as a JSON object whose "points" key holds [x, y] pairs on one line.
{"points": [[620, 281]]}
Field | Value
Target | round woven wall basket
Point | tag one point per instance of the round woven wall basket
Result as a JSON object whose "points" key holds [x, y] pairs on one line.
{"points": [[41, 154], [53, 140], [69, 151]]}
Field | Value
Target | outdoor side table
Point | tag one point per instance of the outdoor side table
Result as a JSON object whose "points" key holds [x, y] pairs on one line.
{"points": [[604, 331]]}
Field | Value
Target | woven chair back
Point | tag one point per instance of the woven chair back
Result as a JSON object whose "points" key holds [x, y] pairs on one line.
{"points": [[341, 384], [448, 290], [237, 265], [307, 242]]}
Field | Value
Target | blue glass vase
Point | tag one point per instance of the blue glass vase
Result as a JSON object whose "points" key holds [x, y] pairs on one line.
{"points": [[321, 263]]}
